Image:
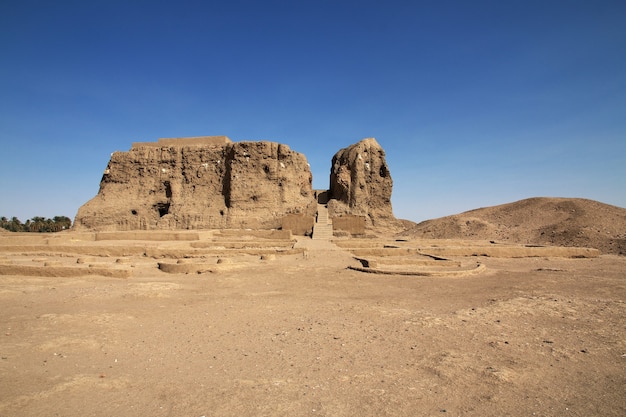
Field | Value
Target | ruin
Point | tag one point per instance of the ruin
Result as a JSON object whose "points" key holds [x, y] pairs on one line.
{"points": [[210, 182], [200, 183], [361, 185]]}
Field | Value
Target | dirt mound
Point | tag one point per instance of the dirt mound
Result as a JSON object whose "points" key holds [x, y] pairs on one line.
{"points": [[541, 221]]}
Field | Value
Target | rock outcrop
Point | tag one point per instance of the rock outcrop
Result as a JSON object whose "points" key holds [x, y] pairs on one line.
{"points": [[200, 183], [360, 184]]}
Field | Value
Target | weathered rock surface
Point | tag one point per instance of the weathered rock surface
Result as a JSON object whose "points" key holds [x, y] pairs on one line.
{"points": [[200, 183], [360, 183]]}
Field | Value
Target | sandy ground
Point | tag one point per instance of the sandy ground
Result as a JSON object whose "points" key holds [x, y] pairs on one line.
{"points": [[301, 335]]}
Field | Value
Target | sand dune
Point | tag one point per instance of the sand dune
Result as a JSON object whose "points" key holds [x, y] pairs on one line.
{"points": [[541, 221]]}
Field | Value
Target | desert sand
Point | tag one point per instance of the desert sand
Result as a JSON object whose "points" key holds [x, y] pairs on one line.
{"points": [[539, 221], [267, 326]]}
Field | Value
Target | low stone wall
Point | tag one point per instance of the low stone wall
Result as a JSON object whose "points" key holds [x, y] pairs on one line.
{"points": [[298, 224], [355, 225], [479, 268], [514, 251], [63, 271], [186, 268], [174, 253], [147, 235], [193, 141], [260, 234], [492, 251], [95, 250], [244, 244]]}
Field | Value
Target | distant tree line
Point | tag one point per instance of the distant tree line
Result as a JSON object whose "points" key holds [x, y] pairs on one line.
{"points": [[36, 224]]}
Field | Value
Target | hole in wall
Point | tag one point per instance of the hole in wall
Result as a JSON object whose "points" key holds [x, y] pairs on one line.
{"points": [[162, 208], [133, 212], [322, 197], [168, 189]]}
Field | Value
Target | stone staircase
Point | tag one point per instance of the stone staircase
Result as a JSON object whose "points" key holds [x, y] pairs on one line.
{"points": [[323, 228]]}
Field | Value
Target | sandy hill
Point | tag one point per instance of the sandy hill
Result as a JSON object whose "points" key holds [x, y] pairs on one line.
{"points": [[540, 221]]}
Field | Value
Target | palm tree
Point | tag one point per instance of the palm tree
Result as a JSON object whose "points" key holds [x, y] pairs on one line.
{"points": [[62, 222], [15, 225]]}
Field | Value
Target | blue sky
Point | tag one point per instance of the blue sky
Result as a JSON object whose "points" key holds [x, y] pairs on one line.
{"points": [[476, 103]]}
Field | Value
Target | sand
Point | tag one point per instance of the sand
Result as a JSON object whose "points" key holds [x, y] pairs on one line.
{"points": [[540, 220], [300, 334]]}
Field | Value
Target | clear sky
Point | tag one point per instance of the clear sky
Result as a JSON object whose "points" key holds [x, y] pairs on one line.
{"points": [[476, 103]]}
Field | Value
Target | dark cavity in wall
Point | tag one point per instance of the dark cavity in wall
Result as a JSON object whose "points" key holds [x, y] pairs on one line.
{"points": [[162, 208]]}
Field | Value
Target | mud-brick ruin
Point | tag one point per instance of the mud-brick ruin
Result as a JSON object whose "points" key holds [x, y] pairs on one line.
{"points": [[213, 183]]}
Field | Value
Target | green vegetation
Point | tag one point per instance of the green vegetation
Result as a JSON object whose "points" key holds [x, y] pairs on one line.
{"points": [[36, 224]]}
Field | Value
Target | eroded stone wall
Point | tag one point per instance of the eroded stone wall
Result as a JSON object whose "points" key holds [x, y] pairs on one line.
{"points": [[200, 183], [361, 184]]}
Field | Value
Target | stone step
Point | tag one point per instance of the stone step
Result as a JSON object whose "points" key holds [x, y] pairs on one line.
{"points": [[322, 231], [323, 228], [322, 214], [321, 237]]}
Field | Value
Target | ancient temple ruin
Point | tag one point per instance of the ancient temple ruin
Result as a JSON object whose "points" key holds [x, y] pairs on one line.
{"points": [[211, 182]]}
